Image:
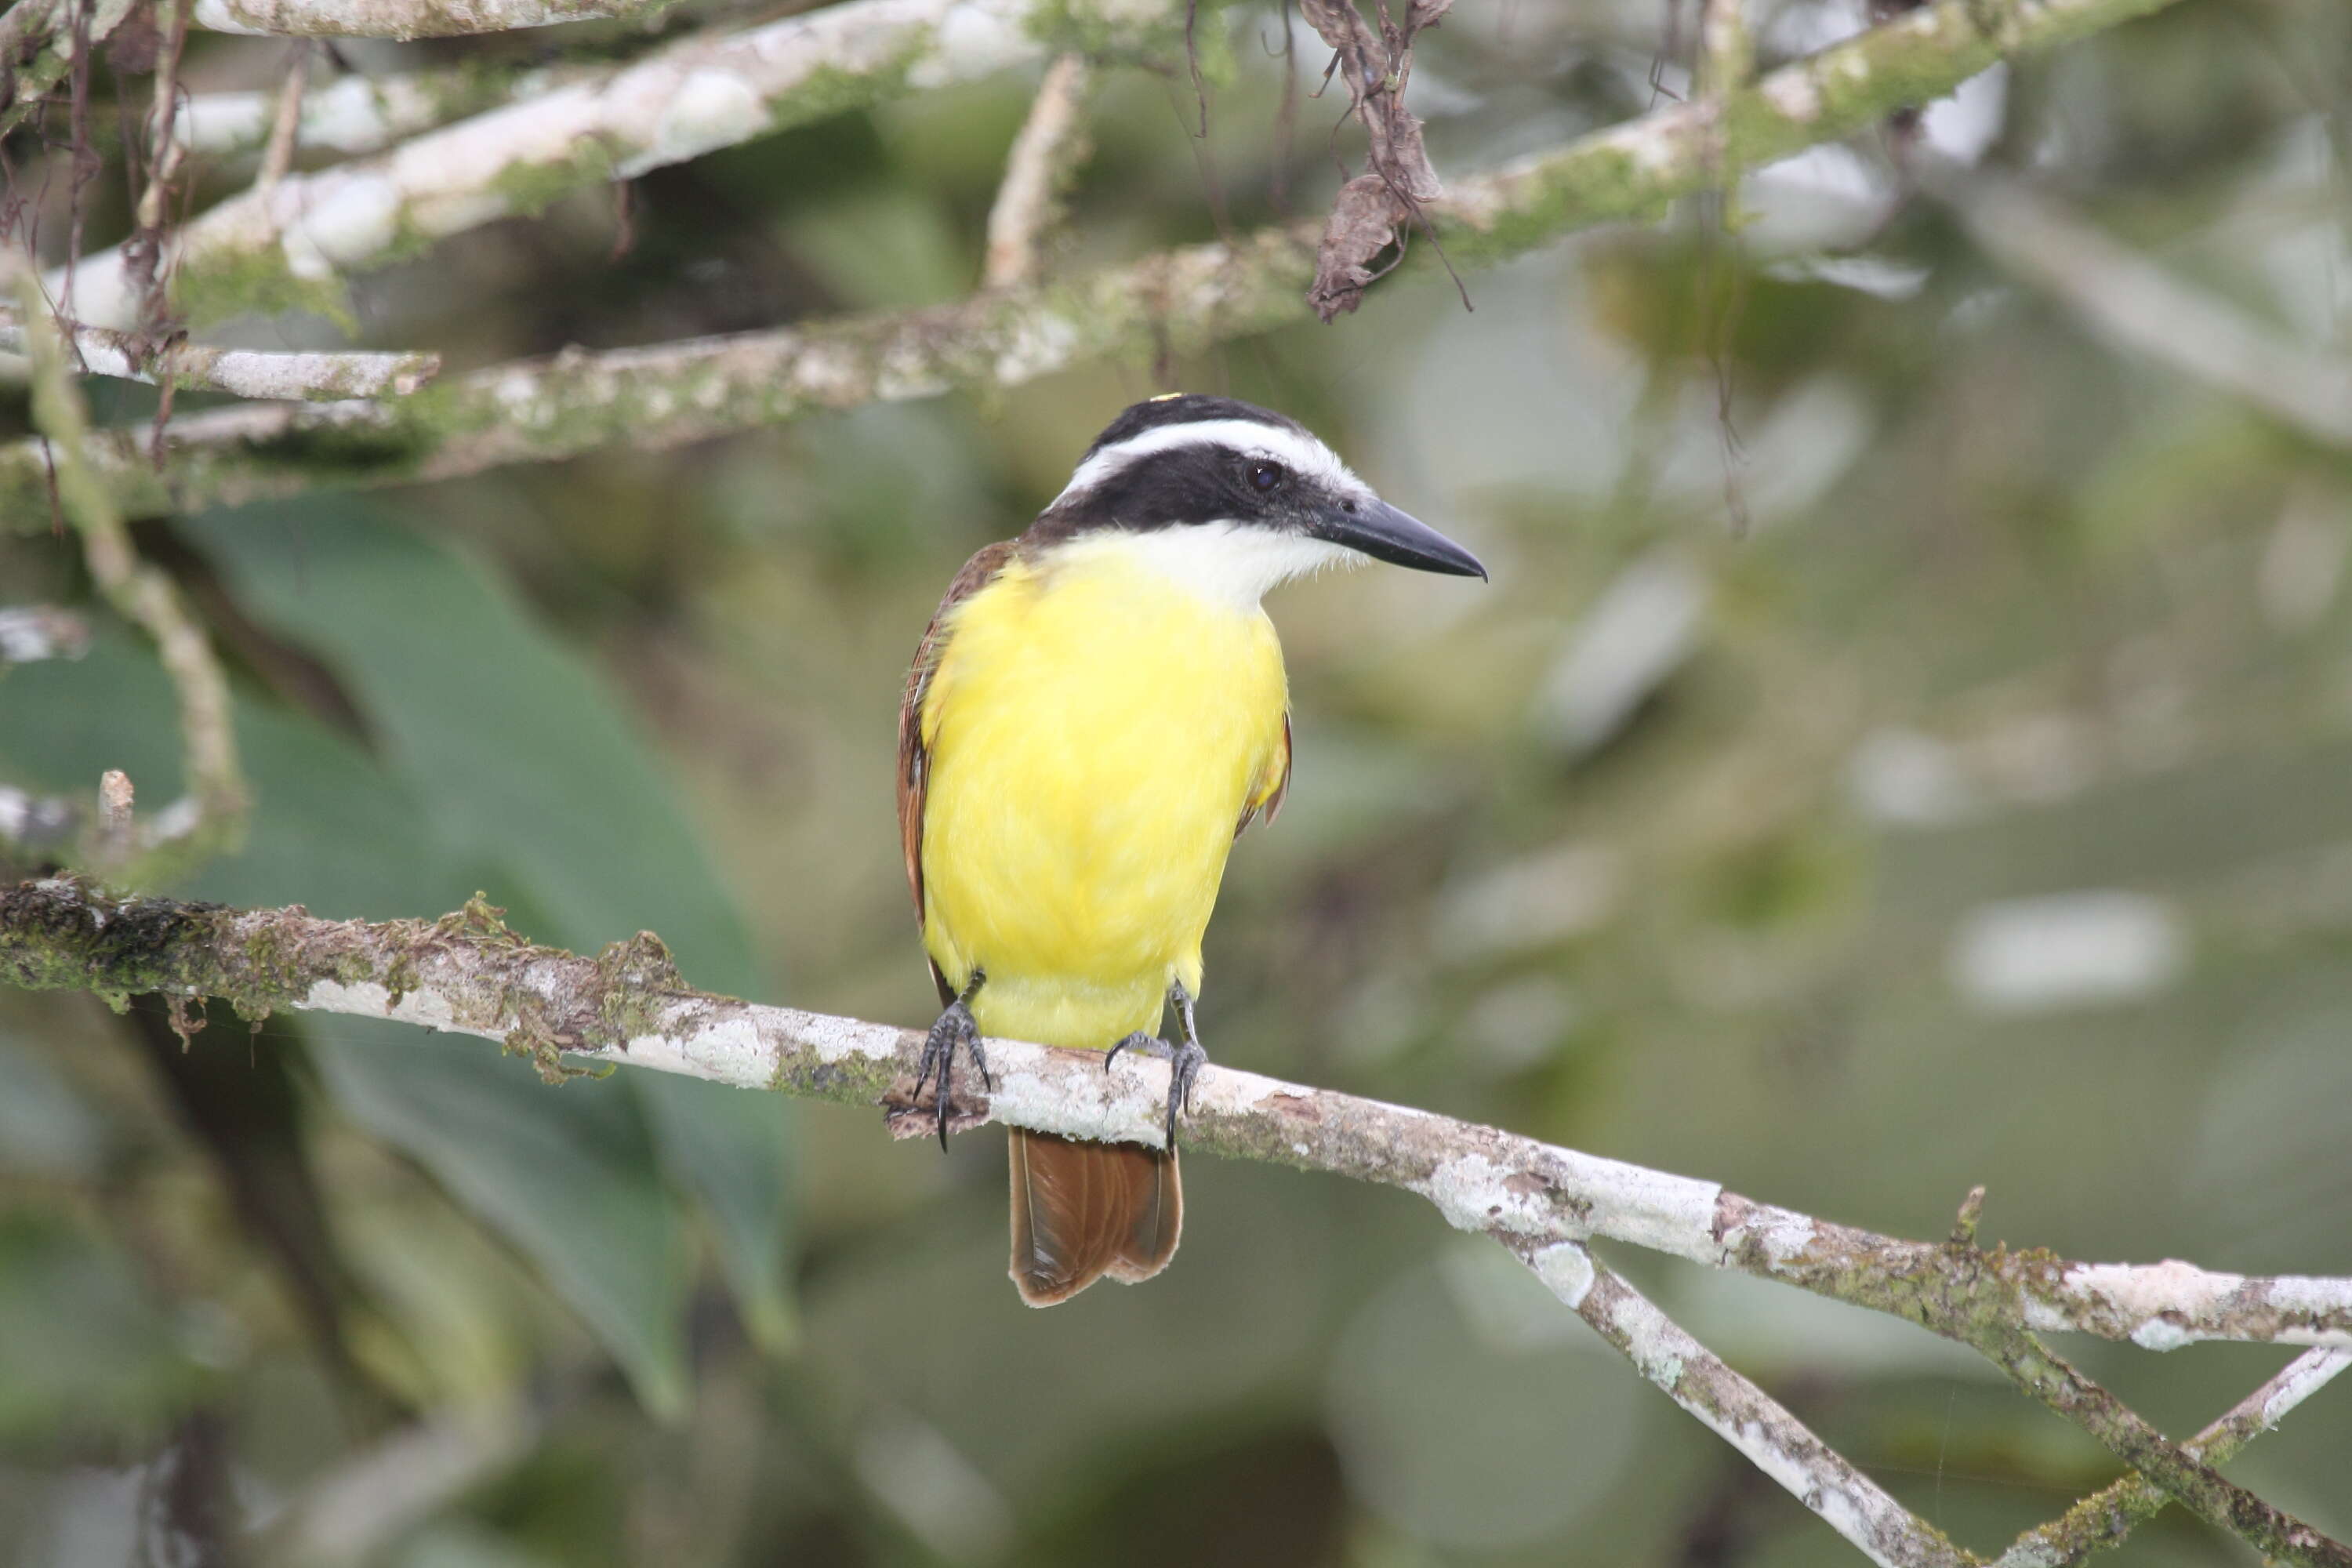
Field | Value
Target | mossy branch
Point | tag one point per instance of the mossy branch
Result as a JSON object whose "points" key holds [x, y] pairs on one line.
{"points": [[291, 245], [468, 973], [1180, 300]]}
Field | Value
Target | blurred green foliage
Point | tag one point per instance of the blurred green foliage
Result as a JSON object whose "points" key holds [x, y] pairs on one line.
{"points": [[1981, 812]]}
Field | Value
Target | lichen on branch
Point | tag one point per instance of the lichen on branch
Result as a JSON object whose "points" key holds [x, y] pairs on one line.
{"points": [[409, 18], [290, 245], [467, 973]]}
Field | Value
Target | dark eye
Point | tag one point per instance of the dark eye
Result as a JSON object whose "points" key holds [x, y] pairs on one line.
{"points": [[1266, 476]]}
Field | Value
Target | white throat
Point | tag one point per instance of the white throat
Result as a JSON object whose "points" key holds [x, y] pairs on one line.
{"points": [[1228, 564]]}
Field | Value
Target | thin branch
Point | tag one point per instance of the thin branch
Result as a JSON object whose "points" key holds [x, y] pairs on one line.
{"points": [[1181, 301], [1038, 173], [213, 817], [2102, 1520], [1726, 59], [145, 268], [285, 122], [2135, 306], [288, 246], [246, 373], [409, 18], [1739, 1412], [2180, 1475], [468, 974], [30, 633]]}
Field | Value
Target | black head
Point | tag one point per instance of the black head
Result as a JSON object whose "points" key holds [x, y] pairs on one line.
{"points": [[1185, 461]]}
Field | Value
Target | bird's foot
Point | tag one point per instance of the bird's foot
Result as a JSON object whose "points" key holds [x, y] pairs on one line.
{"points": [[956, 1029], [1185, 1059]]}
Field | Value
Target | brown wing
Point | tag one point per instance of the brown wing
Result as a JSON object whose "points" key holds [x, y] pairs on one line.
{"points": [[914, 758], [1270, 796]]}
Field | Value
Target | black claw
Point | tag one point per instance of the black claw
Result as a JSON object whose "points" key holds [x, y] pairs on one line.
{"points": [[1150, 1045], [955, 1029], [1184, 1066], [1185, 1059]]}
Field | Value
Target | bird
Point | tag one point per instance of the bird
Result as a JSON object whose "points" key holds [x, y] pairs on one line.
{"points": [[1095, 713]]}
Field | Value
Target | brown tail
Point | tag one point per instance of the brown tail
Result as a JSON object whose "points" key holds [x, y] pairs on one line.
{"points": [[1083, 1210]]}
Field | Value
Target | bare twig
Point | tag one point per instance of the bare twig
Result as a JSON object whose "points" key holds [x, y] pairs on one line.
{"points": [[213, 816], [286, 247], [2105, 1516], [145, 267], [1727, 61], [30, 632], [246, 373], [1182, 301], [2133, 305], [468, 974], [115, 834], [285, 122], [1038, 173]]}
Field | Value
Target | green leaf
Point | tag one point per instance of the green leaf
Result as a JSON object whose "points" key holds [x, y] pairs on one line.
{"points": [[580, 1191], [536, 791], [337, 832], [46, 1129], [81, 1351], [63, 722], [501, 764], [729, 1146]]}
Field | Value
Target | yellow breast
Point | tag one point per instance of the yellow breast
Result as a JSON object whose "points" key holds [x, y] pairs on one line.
{"points": [[1096, 732]]}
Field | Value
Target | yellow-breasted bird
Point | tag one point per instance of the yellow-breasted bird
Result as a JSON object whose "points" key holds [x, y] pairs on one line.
{"points": [[1095, 713]]}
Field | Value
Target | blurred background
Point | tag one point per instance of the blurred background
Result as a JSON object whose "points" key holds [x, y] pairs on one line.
{"points": [[1908, 742]]}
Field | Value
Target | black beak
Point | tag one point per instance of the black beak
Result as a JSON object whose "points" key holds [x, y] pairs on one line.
{"points": [[1378, 530]]}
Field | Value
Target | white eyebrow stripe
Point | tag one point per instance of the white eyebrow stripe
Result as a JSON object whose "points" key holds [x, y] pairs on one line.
{"points": [[1304, 454]]}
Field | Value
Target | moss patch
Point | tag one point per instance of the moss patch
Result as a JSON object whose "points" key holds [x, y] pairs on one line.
{"points": [[530, 189], [65, 934], [216, 285]]}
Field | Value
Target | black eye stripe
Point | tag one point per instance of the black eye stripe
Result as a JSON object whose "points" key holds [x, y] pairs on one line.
{"points": [[1178, 485]]}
